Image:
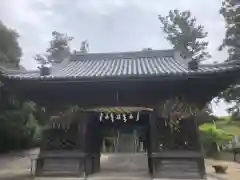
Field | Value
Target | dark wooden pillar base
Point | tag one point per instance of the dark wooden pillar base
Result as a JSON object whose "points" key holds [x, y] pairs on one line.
{"points": [[61, 163], [68, 152], [178, 164], [169, 162]]}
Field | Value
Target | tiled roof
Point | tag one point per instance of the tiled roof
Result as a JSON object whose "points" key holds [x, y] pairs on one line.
{"points": [[119, 109], [126, 64]]}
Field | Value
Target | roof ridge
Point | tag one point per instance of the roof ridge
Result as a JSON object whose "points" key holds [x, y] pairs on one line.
{"points": [[120, 55], [8, 70], [109, 53], [31, 71], [222, 64]]}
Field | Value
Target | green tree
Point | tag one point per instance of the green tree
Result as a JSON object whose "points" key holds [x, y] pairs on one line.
{"points": [[19, 127], [58, 50], [231, 13], [230, 10], [183, 32], [213, 137], [10, 51]]}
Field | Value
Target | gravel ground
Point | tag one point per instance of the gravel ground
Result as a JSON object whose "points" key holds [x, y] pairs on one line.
{"points": [[16, 166]]}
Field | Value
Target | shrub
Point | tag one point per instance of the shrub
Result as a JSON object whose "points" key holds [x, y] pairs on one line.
{"points": [[212, 138], [18, 127]]}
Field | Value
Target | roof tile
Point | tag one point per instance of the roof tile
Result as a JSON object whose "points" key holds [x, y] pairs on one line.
{"points": [[141, 63]]}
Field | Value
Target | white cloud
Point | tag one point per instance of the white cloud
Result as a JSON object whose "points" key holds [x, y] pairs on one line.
{"points": [[109, 25]]}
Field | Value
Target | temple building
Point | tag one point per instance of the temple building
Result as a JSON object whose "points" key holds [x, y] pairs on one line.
{"points": [[139, 105]]}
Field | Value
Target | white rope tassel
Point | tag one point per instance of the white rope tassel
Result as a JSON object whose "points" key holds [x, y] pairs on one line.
{"points": [[101, 117], [124, 118], [137, 119]]}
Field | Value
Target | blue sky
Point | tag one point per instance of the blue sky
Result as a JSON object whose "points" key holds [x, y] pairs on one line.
{"points": [[108, 25]]}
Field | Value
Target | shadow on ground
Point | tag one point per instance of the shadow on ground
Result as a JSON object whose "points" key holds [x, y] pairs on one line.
{"points": [[17, 177]]}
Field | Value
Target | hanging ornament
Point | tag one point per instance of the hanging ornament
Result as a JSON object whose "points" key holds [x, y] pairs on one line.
{"points": [[130, 116], [118, 116], [112, 117], [101, 117], [165, 123], [54, 124], [107, 116], [137, 119], [124, 118], [176, 110]]}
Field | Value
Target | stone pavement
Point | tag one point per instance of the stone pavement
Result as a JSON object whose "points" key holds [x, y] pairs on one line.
{"points": [[16, 166]]}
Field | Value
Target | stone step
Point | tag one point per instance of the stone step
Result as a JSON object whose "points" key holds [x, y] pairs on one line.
{"points": [[126, 143], [104, 175], [123, 166], [125, 162]]}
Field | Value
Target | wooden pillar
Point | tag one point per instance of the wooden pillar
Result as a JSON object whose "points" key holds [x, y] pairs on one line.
{"points": [[201, 162], [152, 135], [92, 141]]}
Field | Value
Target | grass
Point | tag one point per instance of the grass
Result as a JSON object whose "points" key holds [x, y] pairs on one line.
{"points": [[229, 126]]}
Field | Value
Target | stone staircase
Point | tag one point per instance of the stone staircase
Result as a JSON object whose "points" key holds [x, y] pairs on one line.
{"points": [[125, 162], [126, 143], [123, 166]]}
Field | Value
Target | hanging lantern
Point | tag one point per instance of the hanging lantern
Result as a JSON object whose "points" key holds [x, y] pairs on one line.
{"points": [[124, 118], [130, 116], [118, 116], [107, 116], [112, 117]]}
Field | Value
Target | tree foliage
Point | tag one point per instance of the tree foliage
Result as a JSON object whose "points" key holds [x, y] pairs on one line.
{"points": [[57, 51], [213, 137], [230, 11], [218, 135], [19, 127], [183, 32], [10, 51]]}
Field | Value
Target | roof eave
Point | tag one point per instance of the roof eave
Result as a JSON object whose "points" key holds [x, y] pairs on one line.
{"points": [[170, 76]]}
